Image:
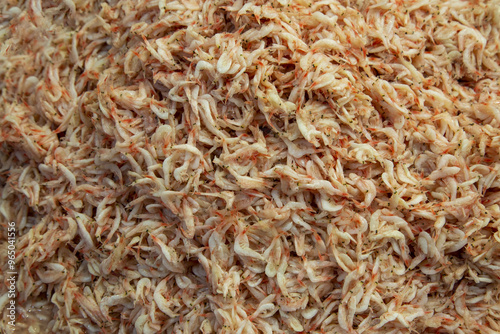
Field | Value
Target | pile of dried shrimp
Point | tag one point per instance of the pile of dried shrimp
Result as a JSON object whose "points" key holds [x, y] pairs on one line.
{"points": [[241, 166]]}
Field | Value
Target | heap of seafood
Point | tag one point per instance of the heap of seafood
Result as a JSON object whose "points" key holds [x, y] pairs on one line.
{"points": [[252, 166]]}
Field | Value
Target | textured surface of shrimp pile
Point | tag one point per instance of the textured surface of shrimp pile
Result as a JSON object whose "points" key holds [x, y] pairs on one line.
{"points": [[251, 166]]}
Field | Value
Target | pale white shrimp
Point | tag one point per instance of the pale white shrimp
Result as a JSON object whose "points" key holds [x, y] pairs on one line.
{"points": [[427, 245], [242, 246], [140, 323], [89, 305], [143, 283], [306, 126], [84, 233], [170, 255], [113, 260], [68, 174], [164, 303], [55, 272], [444, 172]]}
